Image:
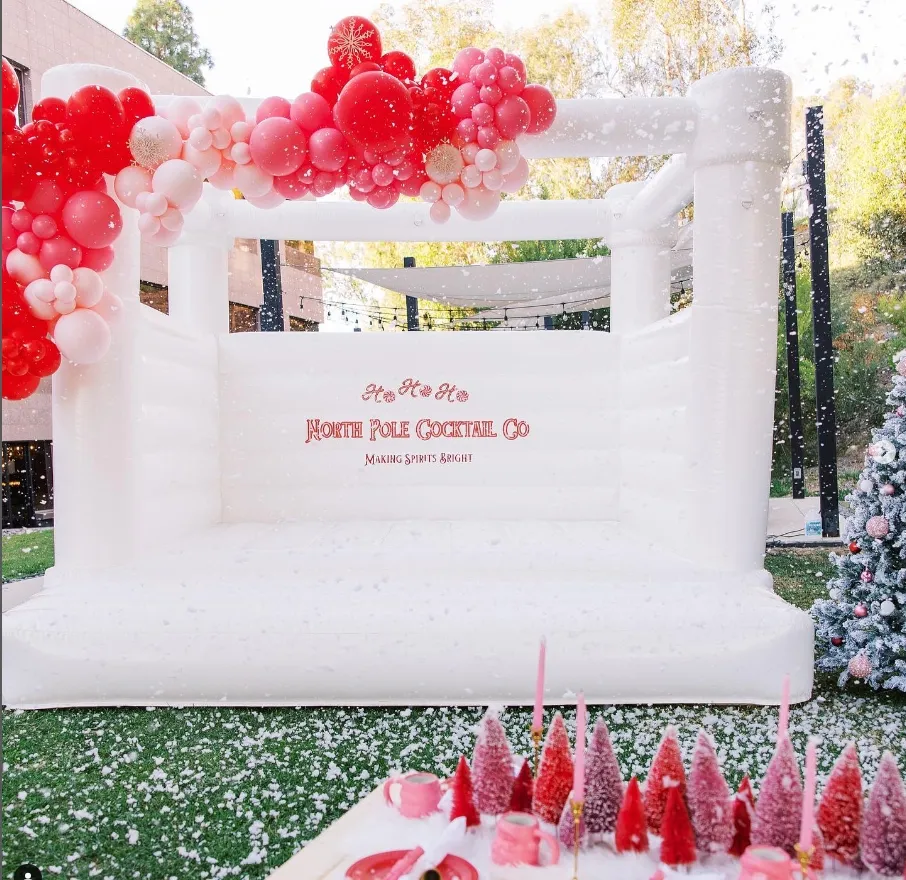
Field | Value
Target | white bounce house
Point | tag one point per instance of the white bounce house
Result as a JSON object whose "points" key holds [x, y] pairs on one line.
{"points": [[241, 521]]}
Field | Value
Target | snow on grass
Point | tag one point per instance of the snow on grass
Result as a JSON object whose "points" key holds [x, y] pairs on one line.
{"points": [[215, 793]]}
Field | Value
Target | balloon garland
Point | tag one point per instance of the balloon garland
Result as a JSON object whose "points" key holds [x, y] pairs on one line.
{"points": [[367, 123]]}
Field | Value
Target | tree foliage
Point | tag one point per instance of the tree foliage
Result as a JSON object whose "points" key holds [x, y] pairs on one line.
{"points": [[166, 29]]}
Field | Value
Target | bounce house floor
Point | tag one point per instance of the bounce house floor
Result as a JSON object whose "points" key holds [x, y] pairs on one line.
{"points": [[403, 613]]}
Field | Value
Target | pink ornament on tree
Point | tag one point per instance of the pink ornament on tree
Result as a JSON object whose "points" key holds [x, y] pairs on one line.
{"points": [[860, 610], [866, 577], [859, 666], [492, 765], [884, 825], [877, 526], [710, 804]]}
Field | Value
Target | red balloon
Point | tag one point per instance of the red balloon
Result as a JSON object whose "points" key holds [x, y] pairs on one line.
{"points": [[277, 145], [98, 259], [364, 67], [19, 387], [542, 106], [10, 86], [9, 121], [310, 111], [92, 218], [290, 187], [400, 65], [328, 83], [511, 116], [137, 104], [43, 356], [51, 109], [374, 112], [95, 115], [441, 80], [353, 40], [272, 106]]}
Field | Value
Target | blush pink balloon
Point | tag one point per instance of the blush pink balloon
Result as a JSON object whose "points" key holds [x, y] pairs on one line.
{"points": [[290, 187], [24, 268], [542, 106], [172, 219], [98, 259], [465, 60], [488, 137], [469, 152], [467, 130], [230, 110], [382, 174], [453, 194], [430, 191], [22, 220], [9, 231], [484, 74], [206, 161], [485, 160], [179, 182], [44, 226], [479, 203], [328, 148], [110, 308], [269, 200], [251, 180], [272, 108], [164, 237], [148, 225], [28, 243], [154, 203], [383, 197], [483, 114], [241, 154], [277, 146], [47, 198], [311, 112], [464, 99], [507, 156], [201, 139], [511, 81], [60, 249], [439, 212], [512, 116], [325, 183], [89, 287], [471, 176], [179, 111], [223, 177], [517, 178], [220, 138], [92, 218], [241, 131], [82, 336], [492, 179], [129, 182]]}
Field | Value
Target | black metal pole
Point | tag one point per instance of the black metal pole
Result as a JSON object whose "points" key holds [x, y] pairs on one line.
{"points": [[272, 304], [797, 439], [411, 301], [821, 317]]}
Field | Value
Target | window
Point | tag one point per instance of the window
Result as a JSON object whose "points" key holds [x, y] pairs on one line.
{"points": [[243, 319], [22, 74], [302, 324], [154, 295]]}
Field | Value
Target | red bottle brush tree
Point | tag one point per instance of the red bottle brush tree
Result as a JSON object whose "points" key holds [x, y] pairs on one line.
{"points": [[677, 834], [632, 826], [778, 813], [884, 826], [710, 805], [555, 775], [463, 798], [566, 830], [743, 814], [603, 782], [492, 767], [666, 772], [840, 809], [521, 801]]}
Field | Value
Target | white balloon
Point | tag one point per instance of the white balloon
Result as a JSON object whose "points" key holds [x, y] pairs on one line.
{"points": [[130, 182], [252, 181], [89, 287], [23, 267], [82, 336]]}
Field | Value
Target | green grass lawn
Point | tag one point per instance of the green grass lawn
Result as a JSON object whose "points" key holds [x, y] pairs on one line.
{"points": [[213, 793], [27, 554]]}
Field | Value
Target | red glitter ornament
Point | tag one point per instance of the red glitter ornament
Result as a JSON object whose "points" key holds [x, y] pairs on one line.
{"points": [[854, 547], [836, 641]]}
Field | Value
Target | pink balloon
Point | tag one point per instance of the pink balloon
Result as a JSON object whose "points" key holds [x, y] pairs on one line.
{"points": [[479, 203], [60, 250], [484, 74], [492, 179], [129, 182], [328, 148], [363, 182], [9, 231], [22, 220], [241, 154], [496, 56], [92, 218], [357, 195], [464, 99], [325, 183], [411, 185], [511, 81], [382, 174], [465, 60], [277, 146], [471, 176], [507, 156], [488, 137], [28, 243], [164, 237], [201, 139], [206, 161], [307, 174], [24, 268], [148, 225], [47, 198], [241, 131], [483, 114], [269, 200], [404, 170], [179, 182], [439, 212], [223, 177], [82, 336], [230, 110], [515, 62], [490, 94], [290, 187], [251, 180], [430, 191], [469, 152], [310, 112], [89, 287], [453, 194], [172, 220], [485, 160], [179, 111], [467, 130], [110, 308], [542, 106], [44, 226], [154, 203], [517, 178], [272, 108], [512, 116], [98, 259], [383, 197]]}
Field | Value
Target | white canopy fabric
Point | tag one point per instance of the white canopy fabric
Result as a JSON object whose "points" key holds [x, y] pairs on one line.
{"points": [[545, 287]]}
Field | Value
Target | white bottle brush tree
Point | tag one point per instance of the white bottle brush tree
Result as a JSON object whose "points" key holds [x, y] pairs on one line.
{"points": [[861, 627]]}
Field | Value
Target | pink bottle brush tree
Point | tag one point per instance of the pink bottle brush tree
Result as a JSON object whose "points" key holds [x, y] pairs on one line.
{"points": [[778, 813], [566, 830], [603, 782], [840, 809], [555, 775], [492, 767], [666, 772], [710, 804], [884, 826]]}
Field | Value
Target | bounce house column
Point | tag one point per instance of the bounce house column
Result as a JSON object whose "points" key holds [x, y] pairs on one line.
{"points": [[96, 407], [740, 151], [198, 286]]}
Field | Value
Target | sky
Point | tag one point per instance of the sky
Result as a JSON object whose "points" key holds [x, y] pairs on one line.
{"points": [[276, 45]]}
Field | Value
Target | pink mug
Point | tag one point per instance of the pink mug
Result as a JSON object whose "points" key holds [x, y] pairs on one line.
{"points": [[420, 794], [518, 841], [765, 863]]}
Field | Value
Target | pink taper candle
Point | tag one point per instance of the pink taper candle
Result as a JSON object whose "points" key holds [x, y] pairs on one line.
{"points": [[783, 719], [579, 771], [808, 796], [538, 717]]}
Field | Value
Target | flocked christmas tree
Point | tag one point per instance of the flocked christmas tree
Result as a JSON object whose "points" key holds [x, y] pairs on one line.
{"points": [[710, 805], [603, 782], [861, 627], [632, 827], [666, 772], [463, 796], [778, 813], [677, 835], [492, 767], [884, 825], [521, 800], [840, 810], [743, 814], [555, 775], [566, 830]]}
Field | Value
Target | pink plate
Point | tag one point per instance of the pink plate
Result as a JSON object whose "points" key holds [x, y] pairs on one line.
{"points": [[375, 867]]}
